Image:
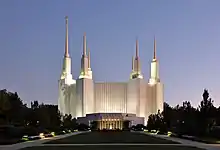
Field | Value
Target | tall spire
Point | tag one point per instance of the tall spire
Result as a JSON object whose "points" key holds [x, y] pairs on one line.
{"points": [[66, 70], [89, 65], [66, 39], [137, 69], [154, 48], [136, 66], [137, 54], [154, 73], [84, 60], [84, 44]]}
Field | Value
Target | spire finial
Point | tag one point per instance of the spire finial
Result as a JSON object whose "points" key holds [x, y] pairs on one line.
{"points": [[137, 55], [154, 48], [84, 44], [136, 65], [89, 65], [66, 39]]}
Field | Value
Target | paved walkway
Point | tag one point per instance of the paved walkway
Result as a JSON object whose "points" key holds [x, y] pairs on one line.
{"points": [[39, 142], [188, 142]]}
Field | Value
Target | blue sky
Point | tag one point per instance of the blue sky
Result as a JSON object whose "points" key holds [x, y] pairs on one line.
{"points": [[187, 32]]}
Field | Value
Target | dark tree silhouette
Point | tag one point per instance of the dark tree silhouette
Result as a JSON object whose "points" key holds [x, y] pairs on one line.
{"points": [[187, 120], [207, 113], [94, 125]]}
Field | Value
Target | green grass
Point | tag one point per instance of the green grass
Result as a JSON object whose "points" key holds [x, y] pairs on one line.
{"points": [[111, 137], [148, 147]]}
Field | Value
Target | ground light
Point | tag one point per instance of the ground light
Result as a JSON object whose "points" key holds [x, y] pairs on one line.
{"points": [[169, 133], [41, 135], [53, 133], [25, 138]]}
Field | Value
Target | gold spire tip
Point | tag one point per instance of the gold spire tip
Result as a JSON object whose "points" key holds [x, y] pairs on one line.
{"points": [[66, 18], [136, 55], [154, 57]]}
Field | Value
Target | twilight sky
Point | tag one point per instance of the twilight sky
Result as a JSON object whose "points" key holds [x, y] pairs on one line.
{"points": [[187, 32]]}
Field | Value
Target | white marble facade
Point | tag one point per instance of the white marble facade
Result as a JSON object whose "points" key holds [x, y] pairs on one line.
{"points": [[85, 96]]}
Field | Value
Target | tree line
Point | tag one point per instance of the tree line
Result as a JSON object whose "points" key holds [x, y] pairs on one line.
{"points": [[186, 120], [14, 112]]}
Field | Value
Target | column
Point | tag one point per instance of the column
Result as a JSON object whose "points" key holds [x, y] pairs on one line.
{"points": [[105, 124], [100, 124]]}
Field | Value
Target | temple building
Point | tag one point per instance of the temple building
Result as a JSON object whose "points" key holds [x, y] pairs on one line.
{"points": [[109, 102]]}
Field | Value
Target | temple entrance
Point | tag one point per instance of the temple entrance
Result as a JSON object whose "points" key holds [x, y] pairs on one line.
{"points": [[110, 127], [110, 124]]}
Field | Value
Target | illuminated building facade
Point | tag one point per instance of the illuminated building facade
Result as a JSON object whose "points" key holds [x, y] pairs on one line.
{"points": [[84, 96], [111, 120]]}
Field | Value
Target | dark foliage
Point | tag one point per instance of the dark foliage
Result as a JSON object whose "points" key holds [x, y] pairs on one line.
{"points": [[83, 127], [94, 125], [186, 120], [16, 119]]}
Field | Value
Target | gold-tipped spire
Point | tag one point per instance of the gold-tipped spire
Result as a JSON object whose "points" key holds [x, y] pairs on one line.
{"points": [[154, 48], [137, 54], [136, 66], [154, 73], [66, 39]]}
